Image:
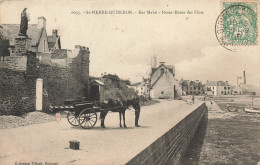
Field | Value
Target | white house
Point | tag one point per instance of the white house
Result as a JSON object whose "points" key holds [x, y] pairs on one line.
{"points": [[141, 88], [218, 87]]}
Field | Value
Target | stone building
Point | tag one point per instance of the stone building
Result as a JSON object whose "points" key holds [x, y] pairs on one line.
{"points": [[163, 84], [37, 35], [192, 87]]}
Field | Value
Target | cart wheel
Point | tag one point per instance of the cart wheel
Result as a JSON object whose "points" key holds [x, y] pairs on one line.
{"points": [[72, 119], [87, 118]]}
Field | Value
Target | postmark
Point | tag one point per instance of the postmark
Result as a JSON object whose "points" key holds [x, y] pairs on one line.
{"points": [[236, 27]]}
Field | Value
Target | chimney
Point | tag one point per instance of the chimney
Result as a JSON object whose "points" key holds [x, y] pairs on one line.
{"points": [[55, 33], [41, 22], [154, 62], [162, 63], [244, 77]]}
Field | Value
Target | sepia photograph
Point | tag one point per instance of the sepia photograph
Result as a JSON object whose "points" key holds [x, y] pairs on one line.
{"points": [[153, 82]]}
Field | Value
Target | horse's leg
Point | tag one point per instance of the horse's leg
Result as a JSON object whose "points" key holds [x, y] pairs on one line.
{"points": [[120, 119], [124, 118], [103, 116], [137, 114]]}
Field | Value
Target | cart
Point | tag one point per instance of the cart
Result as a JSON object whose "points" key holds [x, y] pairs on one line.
{"points": [[82, 113]]}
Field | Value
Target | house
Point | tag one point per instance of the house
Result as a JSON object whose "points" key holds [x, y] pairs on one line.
{"points": [[54, 40], [218, 87], [141, 88], [39, 41], [192, 87], [163, 84], [236, 90]]}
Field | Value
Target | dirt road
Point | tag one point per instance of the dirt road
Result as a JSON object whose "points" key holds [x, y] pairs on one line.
{"points": [[49, 142]]}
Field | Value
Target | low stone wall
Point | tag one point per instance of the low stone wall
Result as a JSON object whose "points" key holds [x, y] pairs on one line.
{"points": [[171, 147]]}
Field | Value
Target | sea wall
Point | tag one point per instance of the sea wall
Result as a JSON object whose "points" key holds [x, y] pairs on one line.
{"points": [[171, 146]]}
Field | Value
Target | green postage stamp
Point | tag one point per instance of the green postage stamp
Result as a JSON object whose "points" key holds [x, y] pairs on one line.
{"points": [[237, 24]]}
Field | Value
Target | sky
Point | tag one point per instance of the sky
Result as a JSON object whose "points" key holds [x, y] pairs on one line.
{"points": [[124, 44]]}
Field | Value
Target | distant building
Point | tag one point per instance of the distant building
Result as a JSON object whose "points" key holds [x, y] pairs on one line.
{"points": [[218, 87], [163, 84], [141, 88], [236, 90], [192, 87]]}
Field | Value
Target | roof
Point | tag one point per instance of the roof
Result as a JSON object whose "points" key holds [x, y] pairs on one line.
{"points": [[98, 82], [191, 83], [11, 31], [52, 41], [135, 84], [170, 67], [216, 83]]}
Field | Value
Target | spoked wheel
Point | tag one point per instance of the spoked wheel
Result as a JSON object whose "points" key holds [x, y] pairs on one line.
{"points": [[87, 118], [72, 119]]}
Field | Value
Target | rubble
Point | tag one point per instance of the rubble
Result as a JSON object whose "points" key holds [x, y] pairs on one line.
{"points": [[27, 119]]}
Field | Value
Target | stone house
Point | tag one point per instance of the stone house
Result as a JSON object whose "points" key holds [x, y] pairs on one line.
{"points": [[163, 84], [218, 87], [192, 87]]}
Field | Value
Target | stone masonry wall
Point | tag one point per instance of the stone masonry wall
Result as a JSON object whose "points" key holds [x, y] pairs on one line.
{"points": [[17, 92], [171, 147]]}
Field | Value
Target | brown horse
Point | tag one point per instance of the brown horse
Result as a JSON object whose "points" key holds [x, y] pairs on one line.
{"points": [[116, 106]]}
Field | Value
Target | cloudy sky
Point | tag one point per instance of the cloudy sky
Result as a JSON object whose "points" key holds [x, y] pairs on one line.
{"points": [[124, 44]]}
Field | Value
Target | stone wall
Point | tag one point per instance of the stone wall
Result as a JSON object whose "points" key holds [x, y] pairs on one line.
{"points": [[59, 84], [171, 147], [17, 92], [18, 86], [59, 53]]}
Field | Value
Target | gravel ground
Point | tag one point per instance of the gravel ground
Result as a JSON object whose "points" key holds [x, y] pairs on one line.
{"points": [[27, 119], [39, 117]]}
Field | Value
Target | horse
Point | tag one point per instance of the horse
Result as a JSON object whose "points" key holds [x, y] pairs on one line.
{"points": [[116, 106]]}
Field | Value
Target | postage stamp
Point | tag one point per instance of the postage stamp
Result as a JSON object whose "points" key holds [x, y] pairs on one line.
{"points": [[236, 26]]}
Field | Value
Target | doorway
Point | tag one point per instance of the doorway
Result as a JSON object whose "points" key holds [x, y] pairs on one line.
{"points": [[94, 93]]}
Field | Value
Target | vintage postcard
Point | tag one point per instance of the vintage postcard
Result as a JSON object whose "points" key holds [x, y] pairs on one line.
{"points": [[96, 82]]}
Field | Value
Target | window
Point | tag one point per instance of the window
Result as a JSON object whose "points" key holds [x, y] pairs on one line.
{"points": [[190, 88], [44, 45], [228, 88], [198, 88], [141, 88], [162, 92], [221, 92], [213, 88], [225, 88], [162, 70]]}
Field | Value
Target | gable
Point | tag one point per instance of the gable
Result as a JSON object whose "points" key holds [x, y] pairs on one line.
{"points": [[162, 69]]}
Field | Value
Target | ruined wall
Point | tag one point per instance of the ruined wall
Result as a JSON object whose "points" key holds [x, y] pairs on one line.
{"points": [[59, 53], [171, 147], [65, 82]]}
